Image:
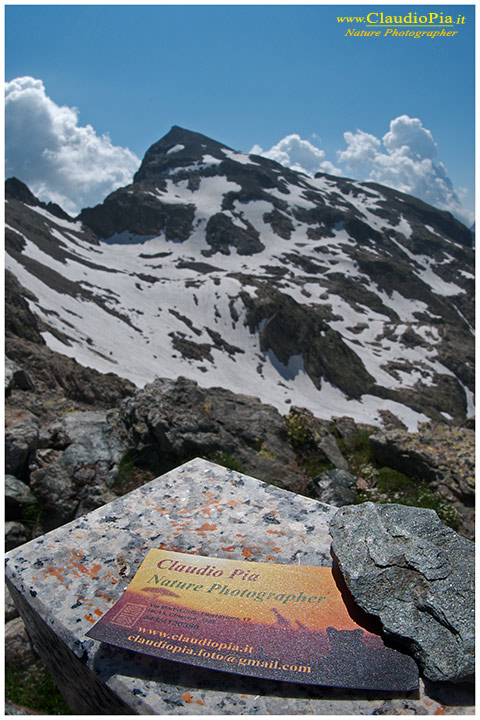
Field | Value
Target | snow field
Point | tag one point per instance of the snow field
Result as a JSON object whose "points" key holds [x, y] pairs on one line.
{"points": [[143, 352]]}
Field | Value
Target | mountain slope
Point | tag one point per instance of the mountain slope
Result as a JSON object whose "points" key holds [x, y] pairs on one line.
{"points": [[340, 296]]}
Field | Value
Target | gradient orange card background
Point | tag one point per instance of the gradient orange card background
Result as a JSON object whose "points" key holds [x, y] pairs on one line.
{"points": [[286, 622]]}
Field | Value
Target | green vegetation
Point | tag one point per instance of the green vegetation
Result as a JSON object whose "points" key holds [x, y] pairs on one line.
{"points": [[207, 409], [266, 452], [361, 457], [35, 689], [302, 438], [383, 484], [68, 407], [298, 432], [130, 475], [361, 442], [361, 462], [391, 480], [314, 466], [227, 460], [33, 516], [395, 487]]}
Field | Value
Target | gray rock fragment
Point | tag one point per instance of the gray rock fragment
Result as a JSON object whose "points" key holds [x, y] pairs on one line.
{"points": [[347, 428], [17, 497], [11, 611], [18, 651], [16, 376], [417, 575], [15, 534], [21, 440], [335, 487], [328, 445]]}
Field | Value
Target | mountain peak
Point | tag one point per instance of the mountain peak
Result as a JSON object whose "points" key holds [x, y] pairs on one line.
{"points": [[326, 293], [178, 148], [15, 189]]}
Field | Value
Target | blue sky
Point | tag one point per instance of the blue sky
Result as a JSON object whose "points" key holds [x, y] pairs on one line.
{"points": [[249, 75]]}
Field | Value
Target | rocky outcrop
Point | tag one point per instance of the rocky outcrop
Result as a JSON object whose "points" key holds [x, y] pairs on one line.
{"points": [[290, 329], [15, 189], [313, 438], [56, 376], [75, 469], [137, 210], [222, 234], [441, 455], [170, 421], [19, 320], [407, 568]]}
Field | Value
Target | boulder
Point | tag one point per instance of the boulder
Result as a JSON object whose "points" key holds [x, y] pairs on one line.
{"points": [[328, 446], [347, 427], [416, 575], [312, 436], [56, 375], [170, 421], [71, 482]]}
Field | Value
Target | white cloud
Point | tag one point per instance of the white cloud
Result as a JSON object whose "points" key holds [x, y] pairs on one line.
{"points": [[362, 149], [70, 164], [58, 159], [407, 136], [256, 150], [403, 159], [298, 154]]}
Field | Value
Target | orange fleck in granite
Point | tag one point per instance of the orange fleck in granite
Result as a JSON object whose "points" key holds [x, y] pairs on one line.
{"points": [[206, 526]]}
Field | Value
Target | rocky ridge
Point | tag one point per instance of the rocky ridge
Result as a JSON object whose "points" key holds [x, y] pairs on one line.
{"points": [[339, 296]]}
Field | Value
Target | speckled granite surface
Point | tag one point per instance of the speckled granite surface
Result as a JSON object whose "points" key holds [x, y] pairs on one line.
{"points": [[65, 580]]}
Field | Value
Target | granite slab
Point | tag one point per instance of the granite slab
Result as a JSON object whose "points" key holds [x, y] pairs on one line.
{"points": [[62, 582]]}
